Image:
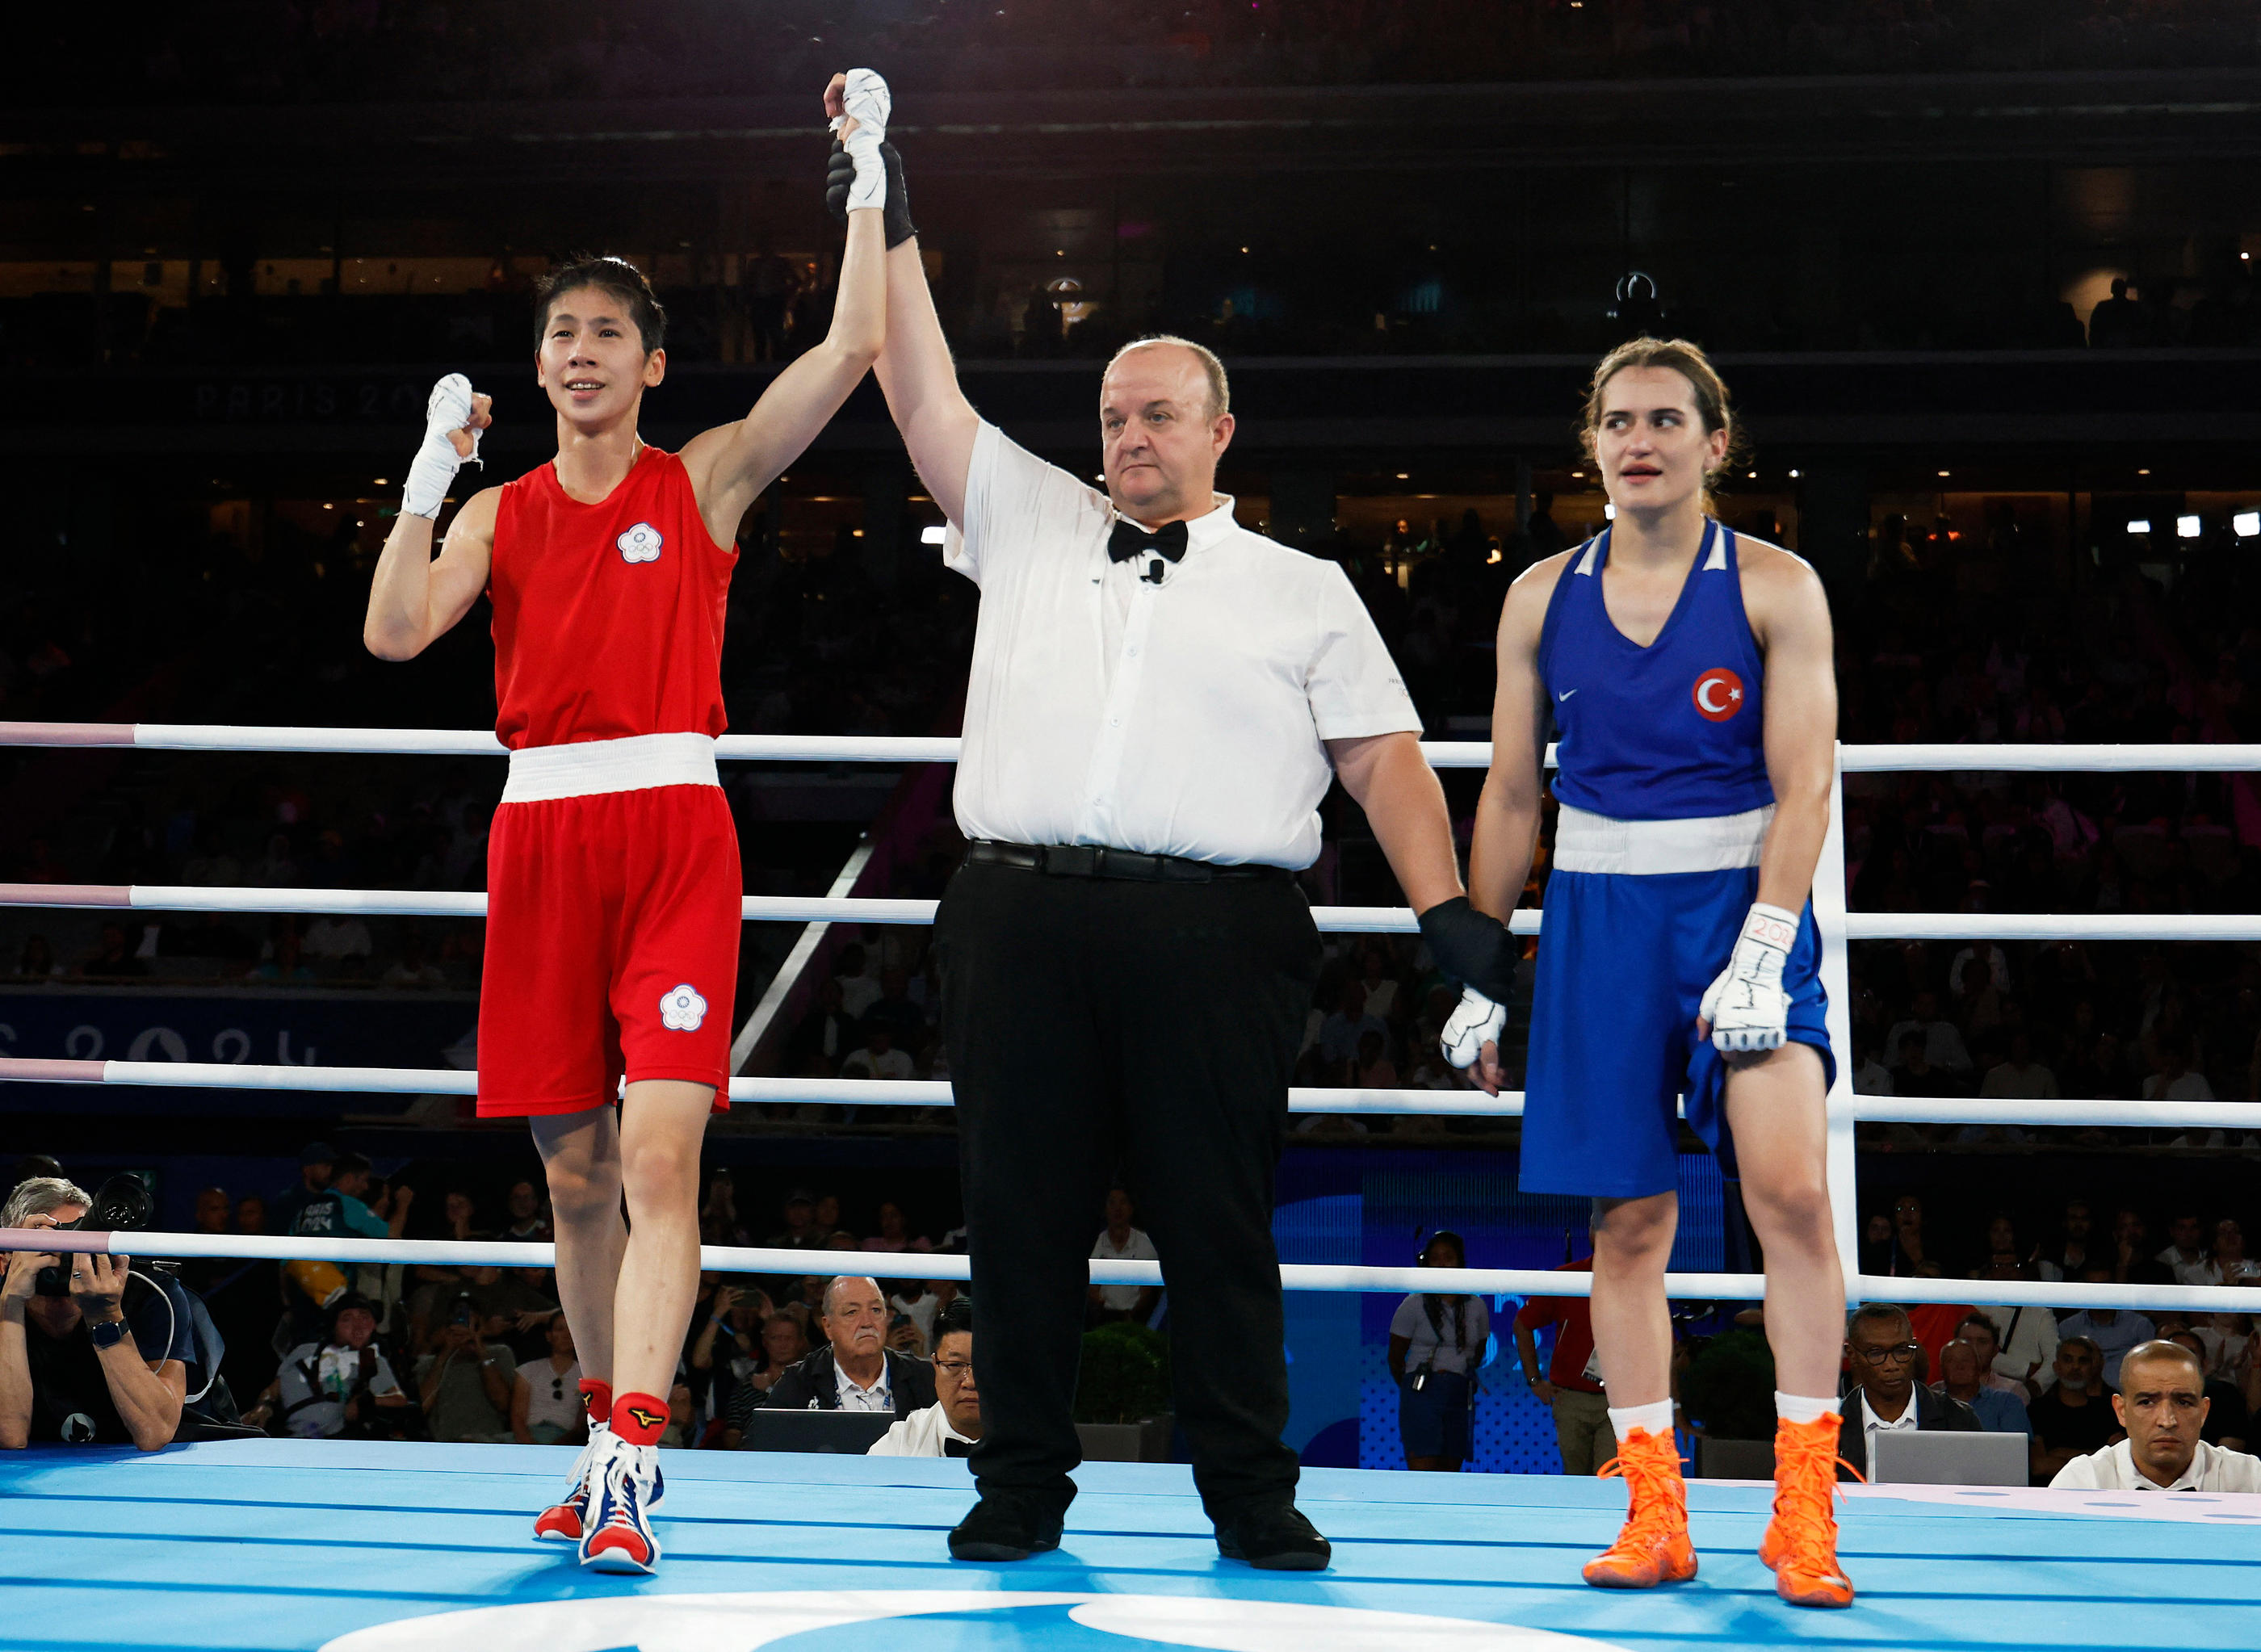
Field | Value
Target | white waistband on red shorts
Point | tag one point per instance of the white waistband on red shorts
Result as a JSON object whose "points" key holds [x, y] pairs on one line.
{"points": [[1586, 841], [589, 767]]}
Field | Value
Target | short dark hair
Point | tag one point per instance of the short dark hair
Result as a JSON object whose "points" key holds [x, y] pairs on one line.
{"points": [[614, 276], [350, 1164], [1880, 1313], [1976, 1319], [352, 1302], [958, 1316], [1444, 1236]]}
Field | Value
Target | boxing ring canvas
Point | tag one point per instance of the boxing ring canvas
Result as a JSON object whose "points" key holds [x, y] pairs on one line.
{"points": [[367, 1548]]}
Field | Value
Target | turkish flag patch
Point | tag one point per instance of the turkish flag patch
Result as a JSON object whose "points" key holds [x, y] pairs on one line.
{"points": [[1719, 694]]}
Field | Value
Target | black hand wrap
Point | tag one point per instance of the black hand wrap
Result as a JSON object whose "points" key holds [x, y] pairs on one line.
{"points": [[840, 172], [1471, 947]]}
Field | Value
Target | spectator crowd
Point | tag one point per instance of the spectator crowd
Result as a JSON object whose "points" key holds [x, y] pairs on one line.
{"points": [[478, 1352], [472, 1351]]}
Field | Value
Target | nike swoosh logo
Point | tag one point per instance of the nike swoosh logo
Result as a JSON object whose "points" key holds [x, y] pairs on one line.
{"points": [[1566, 693]]}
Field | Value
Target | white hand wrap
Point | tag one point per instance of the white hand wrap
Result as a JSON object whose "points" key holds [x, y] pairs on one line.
{"points": [[432, 472], [869, 103], [1747, 1006], [1475, 1023]]}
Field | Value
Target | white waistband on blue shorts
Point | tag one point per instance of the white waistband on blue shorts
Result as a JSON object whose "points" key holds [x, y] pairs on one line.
{"points": [[1586, 841], [589, 767]]}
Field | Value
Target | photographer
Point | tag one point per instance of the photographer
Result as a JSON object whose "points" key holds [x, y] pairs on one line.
{"points": [[465, 1382], [87, 1355], [1436, 1344]]}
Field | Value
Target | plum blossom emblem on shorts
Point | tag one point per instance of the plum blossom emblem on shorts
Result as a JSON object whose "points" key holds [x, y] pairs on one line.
{"points": [[681, 1008], [640, 543]]}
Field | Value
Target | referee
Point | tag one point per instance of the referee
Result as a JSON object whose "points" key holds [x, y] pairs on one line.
{"points": [[1157, 702]]}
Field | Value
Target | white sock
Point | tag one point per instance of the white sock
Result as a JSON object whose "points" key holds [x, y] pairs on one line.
{"points": [[1799, 1408], [1655, 1420]]}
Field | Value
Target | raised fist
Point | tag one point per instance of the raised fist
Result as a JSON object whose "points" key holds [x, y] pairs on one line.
{"points": [[860, 96], [454, 415]]}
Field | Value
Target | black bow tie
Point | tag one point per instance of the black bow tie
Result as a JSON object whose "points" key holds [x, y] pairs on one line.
{"points": [[956, 1448], [1130, 539]]}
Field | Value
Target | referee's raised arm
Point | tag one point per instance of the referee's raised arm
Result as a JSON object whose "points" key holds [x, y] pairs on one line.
{"points": [[939, 424]]}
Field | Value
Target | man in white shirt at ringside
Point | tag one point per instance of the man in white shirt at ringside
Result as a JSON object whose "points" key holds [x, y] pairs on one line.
{"points": [[1120, 1242], [2162, 1404], [952, 1424]]}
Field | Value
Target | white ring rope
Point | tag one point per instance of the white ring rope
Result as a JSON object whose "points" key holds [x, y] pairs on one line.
{"points": [[1341, 920], [754, 908], [2051, 926], [411, 1080], [2172, 758], [1523, 1281]]}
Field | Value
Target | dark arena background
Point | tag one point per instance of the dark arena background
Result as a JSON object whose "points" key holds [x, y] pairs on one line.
{"points": [[1982, 277]]}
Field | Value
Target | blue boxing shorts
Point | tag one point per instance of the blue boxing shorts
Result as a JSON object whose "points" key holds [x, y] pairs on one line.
{"points": [[1625, 958]]}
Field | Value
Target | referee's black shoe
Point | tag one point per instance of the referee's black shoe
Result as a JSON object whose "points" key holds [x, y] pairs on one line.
{"points": [[1272, 1537], [996, 1529]]}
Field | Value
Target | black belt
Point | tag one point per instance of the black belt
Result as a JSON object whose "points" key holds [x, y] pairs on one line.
{"points": [[1097, 860]]}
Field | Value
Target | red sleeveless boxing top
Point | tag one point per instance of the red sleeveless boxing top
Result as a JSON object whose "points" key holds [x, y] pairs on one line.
{"points": [[608, 617]]}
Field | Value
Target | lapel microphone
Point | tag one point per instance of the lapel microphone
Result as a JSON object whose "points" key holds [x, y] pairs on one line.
{"points": [[1127, 540]]}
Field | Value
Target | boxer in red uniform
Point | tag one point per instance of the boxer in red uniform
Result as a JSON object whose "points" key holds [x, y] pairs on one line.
{"points": [[612, 879]]}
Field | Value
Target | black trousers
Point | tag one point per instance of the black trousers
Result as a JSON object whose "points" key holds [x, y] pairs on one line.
{"points": [[1097, 1025]]}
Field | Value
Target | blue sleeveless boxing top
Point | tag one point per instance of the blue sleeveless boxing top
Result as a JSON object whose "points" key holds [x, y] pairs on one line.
{"points": [[1672, 731]]}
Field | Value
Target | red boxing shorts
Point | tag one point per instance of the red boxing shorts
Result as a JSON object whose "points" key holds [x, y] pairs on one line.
{"points": [[613, 925]]}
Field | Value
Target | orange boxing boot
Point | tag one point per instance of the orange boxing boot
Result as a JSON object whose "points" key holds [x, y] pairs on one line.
{"points": [[1800, 1545], [1652, 1548]]}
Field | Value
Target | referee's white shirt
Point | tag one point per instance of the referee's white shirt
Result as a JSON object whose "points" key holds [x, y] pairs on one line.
{"points": [[1178, 718]]}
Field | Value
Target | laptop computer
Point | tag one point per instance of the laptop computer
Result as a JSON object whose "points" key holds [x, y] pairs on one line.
{"points": [[1948, 1459], [1734, 1459], [842, 1434]]}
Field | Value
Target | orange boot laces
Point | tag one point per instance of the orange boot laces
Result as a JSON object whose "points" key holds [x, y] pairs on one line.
{"points": [[1801, 1542], [1652, 1545]]}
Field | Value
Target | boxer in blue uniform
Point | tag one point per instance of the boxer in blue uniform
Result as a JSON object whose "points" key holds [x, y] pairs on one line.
{"points": [[1688, 672]]}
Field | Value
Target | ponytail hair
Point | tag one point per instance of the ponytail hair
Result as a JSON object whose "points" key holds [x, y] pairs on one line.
{"points": [[1711, 391]]}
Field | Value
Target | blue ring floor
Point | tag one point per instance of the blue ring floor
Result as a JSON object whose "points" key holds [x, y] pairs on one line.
{"points": [[359, 1548]]}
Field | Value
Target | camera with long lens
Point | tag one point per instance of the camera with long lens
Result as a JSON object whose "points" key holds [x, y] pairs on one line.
{"points": [[122, 1202]]}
